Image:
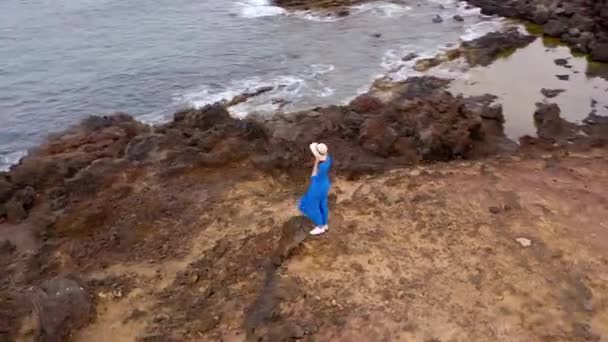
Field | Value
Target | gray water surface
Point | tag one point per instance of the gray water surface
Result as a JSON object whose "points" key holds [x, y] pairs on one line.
{"points": [[62, 60]]}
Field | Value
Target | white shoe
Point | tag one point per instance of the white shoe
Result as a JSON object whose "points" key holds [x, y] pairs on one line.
{"points": [[317, 231], [325, 228]]}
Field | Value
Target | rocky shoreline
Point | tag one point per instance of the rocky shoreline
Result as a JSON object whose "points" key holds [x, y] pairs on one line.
{"points": [[86, 200], [582, 24]]}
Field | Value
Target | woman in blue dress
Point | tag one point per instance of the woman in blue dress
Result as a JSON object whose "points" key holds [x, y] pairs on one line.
{"points": [[314, 203]]}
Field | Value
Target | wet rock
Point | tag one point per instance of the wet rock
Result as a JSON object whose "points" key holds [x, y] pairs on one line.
{"points": [[563, 77], [559, 18], [377, 35], [555, 28], [409, 57], [551, 93], [561, 61], [62, 306], [550, 125], [247, 95], [343, 12], [427, 63], [458, 18], [484, 50], [540, 14], [339, 7], [437, 19], [599, 52]]}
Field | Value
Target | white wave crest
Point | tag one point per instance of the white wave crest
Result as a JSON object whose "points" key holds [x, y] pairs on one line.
{"points": [[259, 9], [385, 9], [11, 158], [482, 28]]}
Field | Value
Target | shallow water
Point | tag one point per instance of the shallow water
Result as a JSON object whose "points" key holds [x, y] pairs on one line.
{"points": [[62, 60], [518, 79]]}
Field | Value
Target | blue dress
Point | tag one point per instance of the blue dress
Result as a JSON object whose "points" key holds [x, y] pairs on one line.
{"points": [[314, 202]]}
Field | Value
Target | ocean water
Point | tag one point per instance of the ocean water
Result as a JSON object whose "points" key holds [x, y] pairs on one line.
{"points": [[62, 60]]}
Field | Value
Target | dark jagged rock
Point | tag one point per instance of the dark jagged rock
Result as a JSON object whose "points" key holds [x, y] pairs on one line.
{"points": [[599, 51], [563, 77], [340, 7], [581, 24], [484, 50], [458, 18], [409, 57], [247, 95], [419, 121], [481, 51], [555, 28], [550, 93], [555, 132], [437, 19], [549, 123], [561, 61]]}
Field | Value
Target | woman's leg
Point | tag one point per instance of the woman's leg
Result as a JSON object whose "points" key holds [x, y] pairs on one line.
{"points": [[324, 206], [311, 210]]}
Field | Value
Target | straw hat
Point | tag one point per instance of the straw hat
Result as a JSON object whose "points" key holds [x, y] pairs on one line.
{"points": [[319, 150]]}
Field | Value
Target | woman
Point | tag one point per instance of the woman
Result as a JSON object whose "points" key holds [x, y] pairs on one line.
{"points": [[314, 202]]}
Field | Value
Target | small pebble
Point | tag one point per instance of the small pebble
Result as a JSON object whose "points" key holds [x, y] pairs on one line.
{"points": [[524, 242]]}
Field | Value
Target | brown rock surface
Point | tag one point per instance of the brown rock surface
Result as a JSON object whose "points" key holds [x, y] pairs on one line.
{"points": [[188, 230]]}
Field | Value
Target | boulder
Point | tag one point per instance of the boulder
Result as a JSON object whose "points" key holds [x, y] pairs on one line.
{"points": [[437, 19], [61, 306], [574, 32], [555, 28], [458, 18], [550, 125], [599, 51], [540, 14]]}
